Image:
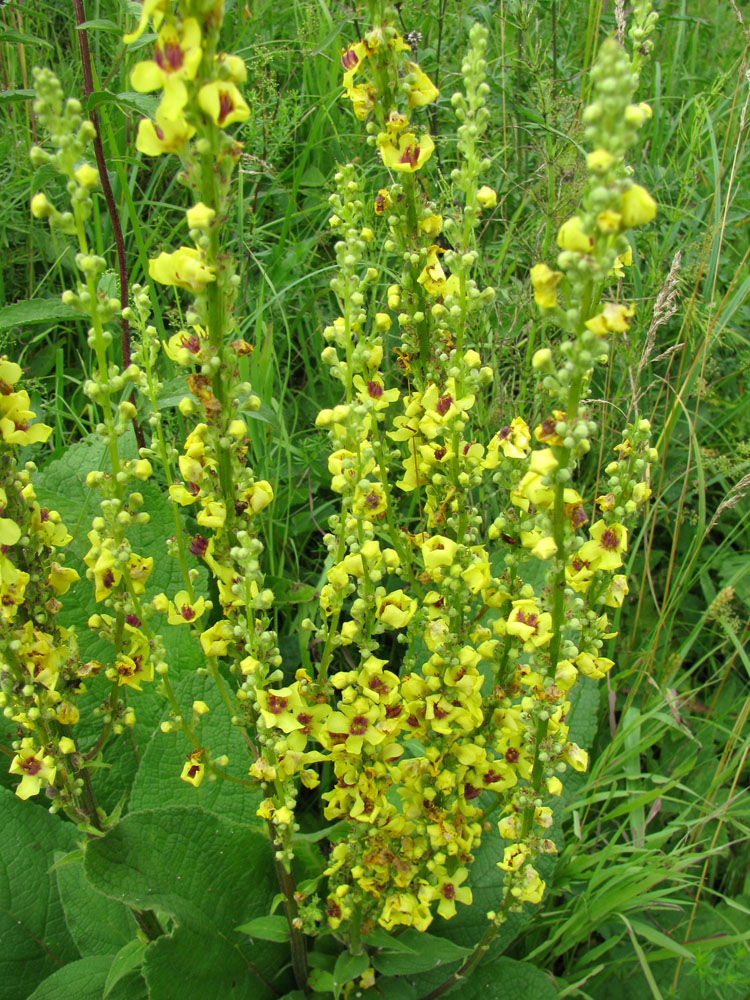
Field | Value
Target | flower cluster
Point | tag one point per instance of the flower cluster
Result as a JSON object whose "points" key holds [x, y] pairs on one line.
{"points": [[41, 676], [470, 579]]}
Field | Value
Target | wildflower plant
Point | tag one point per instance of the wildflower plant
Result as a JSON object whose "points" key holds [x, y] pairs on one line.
{"points": [[470, 581]]}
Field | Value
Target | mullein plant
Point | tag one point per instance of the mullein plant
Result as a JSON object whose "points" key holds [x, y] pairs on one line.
{"points": [[441, 684]]}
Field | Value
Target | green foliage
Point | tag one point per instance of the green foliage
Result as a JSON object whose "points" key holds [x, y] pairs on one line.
{"points": [[36, 940]]}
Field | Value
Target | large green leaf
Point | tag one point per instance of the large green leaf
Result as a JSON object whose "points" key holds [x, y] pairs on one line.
{"points": [[81, 980], [158, 780], [98, 925], [507, 979], [209, 874], [35, 940]]}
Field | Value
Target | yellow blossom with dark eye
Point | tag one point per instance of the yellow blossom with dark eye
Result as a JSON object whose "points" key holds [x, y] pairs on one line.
{"points": [[612, 319], [545, 432], [532, 626], [166, 134], [432, 277], [183, 611], [34, 766], [177, 56], [514, 857], [194, 768], [372, 501], [422, 90], [223, 103], [131, 670], [185, 268], [353, 725], [438, 552], [513, 440], [373, 392], [442, 407], [544, 282], [12, 593], [448, 891], [605, 547], [637, 207], [187, 348], [408, 154], [579, 574], [395, 609], [573, 237]]}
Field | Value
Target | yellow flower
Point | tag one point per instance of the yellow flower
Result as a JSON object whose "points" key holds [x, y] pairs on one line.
{"points": [[623, 260], [131, 670], [396, 609], [530, 625], [432, 278], [194, 768], [599, 161], [176, 59], [34, 766], [513, 440], [514, 857], [409, 155], [572, 236], [487, 197], [577, 758], [362, 96], [616, 592], [422, 91], [184, 268], [431, 226], [183, 611], [15, 420], [438, 552], [222, 102], [607, 542], [215, 640], [87, 176], [531, 888], [153, 9], [545, 281], [638, 207], [373, 392], [168, 134], [612, 319]]}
